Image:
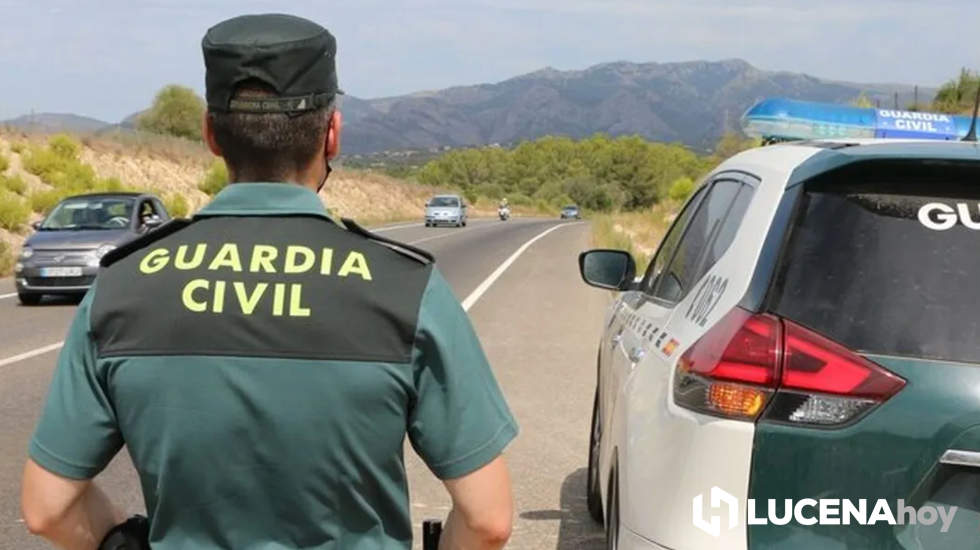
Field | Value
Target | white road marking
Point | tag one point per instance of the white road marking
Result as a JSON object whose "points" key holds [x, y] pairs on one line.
{"points": [[11, 295], [478, 292], [393, 227], [29, 354], [457, 231]]}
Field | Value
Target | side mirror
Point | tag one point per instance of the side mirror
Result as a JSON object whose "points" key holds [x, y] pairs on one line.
{"points": [[152, 223], [36, 225], [608, 269]]}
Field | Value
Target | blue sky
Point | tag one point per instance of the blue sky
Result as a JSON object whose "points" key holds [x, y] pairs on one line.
{"points": [[106, 59]]}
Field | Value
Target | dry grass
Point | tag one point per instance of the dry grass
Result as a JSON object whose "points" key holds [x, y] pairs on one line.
{"points": [[638, 232]]}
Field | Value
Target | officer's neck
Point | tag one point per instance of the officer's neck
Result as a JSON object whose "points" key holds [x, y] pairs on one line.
{"points": [[307, 178]]}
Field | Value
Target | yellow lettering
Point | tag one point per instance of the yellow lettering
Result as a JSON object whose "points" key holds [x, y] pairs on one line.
{"points": [[279, 291], [188, 295], [218, 306], [326, 262], [355, 263], [155, 261], [262, 256], [246, 301], [180, 260], [291, 256], [296, 308], [227, 257]]}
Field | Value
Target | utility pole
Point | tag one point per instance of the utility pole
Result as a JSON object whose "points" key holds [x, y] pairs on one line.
{"points": [[916, 102], [896, 101]]}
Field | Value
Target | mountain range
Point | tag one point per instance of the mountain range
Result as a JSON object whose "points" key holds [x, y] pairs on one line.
{"points": [[690, 102]]}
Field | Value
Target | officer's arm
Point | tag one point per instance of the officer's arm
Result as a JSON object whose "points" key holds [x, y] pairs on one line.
{"points": [[72, 514], [482, 509], [460, 422], [75, 439]]}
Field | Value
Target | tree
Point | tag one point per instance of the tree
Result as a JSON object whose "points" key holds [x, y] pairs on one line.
{"points": [[176, 111], [862, 101], [957, 96]]}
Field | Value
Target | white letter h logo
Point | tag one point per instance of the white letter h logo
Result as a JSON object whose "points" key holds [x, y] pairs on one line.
{"points": [[718, 496]]}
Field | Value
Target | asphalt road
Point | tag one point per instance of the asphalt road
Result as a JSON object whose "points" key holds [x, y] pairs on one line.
{"points": [[538, 323]]}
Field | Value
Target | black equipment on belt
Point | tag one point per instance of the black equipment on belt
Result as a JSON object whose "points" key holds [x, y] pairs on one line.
{"points": [[431, 531], [133, 534]]}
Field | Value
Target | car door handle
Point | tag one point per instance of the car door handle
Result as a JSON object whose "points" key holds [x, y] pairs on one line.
{"points": [[956, 457], [617, 338], [637, 354]]}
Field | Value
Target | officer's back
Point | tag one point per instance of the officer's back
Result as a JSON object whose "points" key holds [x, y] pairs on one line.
{"points": [[263, 363]]}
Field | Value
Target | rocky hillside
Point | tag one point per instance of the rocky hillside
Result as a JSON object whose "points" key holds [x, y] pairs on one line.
{"points": [[693, 103]]}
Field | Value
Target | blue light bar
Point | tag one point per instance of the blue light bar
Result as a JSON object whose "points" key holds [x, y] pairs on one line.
{"points": [[791, 119]]}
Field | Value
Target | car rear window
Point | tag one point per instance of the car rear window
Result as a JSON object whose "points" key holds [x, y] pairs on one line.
{"points": [[888, 267]]}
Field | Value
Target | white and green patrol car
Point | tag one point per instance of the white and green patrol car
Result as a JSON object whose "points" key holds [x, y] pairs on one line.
{"points": [[808, 329]]}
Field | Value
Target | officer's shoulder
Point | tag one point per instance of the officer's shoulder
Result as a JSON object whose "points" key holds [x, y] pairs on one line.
{"points": [[417, 254], [165, 230]]}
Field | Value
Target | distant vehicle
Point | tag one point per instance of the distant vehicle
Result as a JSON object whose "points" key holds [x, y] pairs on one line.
{"points": [[445, 210], [571, 212], [807, 329], [503, 213], [62, 256]]}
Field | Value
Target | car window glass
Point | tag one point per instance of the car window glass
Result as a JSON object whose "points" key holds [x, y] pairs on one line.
{"points": [[89, 214], [444, 201], [669, 243], [701, 231], [887, 267], [726, 234]]}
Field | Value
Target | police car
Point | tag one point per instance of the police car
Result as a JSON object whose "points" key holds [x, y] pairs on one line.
{"points": [[808, 329]]}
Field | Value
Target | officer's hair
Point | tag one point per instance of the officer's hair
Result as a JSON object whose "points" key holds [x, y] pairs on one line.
{"points": [[268, 146]]}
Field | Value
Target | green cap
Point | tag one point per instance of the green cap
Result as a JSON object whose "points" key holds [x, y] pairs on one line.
{"points": [[294, 56]]}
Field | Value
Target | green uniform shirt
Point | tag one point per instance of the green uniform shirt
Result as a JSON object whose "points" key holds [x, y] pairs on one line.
{"points": [[263, 366]]}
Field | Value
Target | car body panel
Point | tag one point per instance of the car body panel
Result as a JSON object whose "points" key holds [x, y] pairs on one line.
{"points": [[938, 410]]}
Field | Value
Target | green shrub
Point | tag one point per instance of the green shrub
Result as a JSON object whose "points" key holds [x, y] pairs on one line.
{"points": [[215, 179], [64, 146], [13, 183], [176, 111], [7, 259], [14, 212], [4, 163], [176, 205], [17, 147], [681, 189]]}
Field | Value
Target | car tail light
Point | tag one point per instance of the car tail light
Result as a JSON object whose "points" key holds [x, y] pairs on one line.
{"points": [[752, 366], [732, 370]]}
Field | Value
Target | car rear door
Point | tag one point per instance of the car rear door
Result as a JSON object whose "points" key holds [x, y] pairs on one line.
{"points": [[659, 466], [626, 339], [882, 259]]}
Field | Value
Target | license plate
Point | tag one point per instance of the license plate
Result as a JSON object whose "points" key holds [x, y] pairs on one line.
{"points": [[61, 272]]}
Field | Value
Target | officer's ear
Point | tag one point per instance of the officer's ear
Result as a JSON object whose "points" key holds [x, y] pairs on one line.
{"points": [[332, 145], [207, 131]]}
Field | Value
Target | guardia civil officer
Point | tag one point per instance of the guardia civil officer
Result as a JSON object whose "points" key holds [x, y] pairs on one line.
{"points": [[264, 363]]}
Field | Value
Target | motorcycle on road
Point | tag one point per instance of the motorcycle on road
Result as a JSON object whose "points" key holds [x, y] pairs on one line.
{"points": [[504, 213]]}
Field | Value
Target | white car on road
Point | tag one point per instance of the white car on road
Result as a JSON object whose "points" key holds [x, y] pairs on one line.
{"points": [[806, 330]]}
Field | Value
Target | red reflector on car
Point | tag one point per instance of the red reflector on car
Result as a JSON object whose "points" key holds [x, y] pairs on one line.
{"points": [[815, 363], [742, 347]]}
